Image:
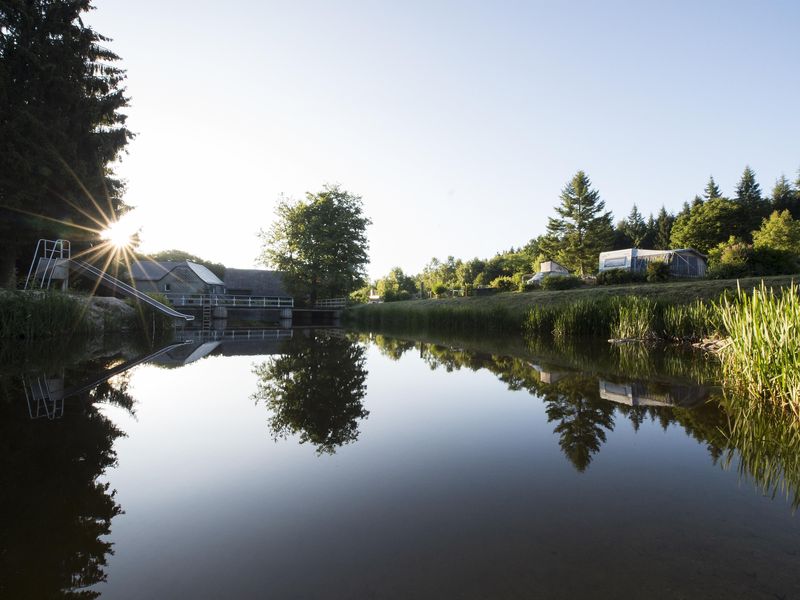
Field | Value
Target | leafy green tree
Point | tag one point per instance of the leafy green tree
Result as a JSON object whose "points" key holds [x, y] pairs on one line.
{"points": [[779, 232], [60, 128], [396, 286], [315, 390], [320, 243], [582, 229], [707, 225]]}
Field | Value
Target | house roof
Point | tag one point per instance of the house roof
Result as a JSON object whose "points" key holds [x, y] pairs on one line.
{"points": [[257, 282], [149, 270]]}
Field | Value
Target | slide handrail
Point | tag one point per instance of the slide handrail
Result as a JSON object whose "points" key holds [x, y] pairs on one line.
{"points": [[128, 290]]}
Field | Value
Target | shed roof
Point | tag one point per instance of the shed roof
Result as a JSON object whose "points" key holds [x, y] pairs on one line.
{"points": [[258, 282], [150, 270]]}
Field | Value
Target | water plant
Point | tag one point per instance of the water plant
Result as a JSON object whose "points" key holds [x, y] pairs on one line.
{"points": [[762, 353], [30, 315]]}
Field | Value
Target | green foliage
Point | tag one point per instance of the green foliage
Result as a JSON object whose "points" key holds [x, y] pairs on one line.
{"points": [[762, 356], [735, 258], [320, 243], [505, 284], [696, 320], [32, 315], [664, 222], [149, 321], [636, 318], [439, 289], [582, 230], [619, 277], [557, 282], [315, 390], [635, 228], [708, 224], [217, 269], [779, 232], [712, 189], [61, 94], [657, 270], [396, 286]]}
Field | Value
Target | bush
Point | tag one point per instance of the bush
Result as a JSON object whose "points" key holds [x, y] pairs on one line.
{"points": [[567, 282], [619, 276], [657, 271], [504, 284], [439, 289]]}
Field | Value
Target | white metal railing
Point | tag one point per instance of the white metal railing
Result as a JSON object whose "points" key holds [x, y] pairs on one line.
{"points": [[331, 303], [229, 301], [46, 257], [237, 335]]}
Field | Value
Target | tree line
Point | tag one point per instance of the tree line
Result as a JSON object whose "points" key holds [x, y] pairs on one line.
{"points": [[748, 233]]}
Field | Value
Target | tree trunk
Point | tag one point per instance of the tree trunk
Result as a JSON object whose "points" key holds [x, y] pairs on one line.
{"points": [[8, 267]]}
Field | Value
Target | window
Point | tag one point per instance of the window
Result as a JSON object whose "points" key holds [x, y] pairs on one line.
{"points": [[166, 287], [610, 263]]}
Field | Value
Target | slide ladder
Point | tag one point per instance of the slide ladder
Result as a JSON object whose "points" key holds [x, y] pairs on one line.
{"points": [[116, 285]]}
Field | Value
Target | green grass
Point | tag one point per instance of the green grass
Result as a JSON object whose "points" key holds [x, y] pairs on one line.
{"points": [[34, 315], [762, 354], [509, 311]]}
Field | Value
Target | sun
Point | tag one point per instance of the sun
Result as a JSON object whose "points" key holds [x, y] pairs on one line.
{"points": [[119, 234]]}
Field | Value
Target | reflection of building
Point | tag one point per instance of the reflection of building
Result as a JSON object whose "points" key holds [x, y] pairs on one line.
{"points": [[639, 394], [548, 376]]}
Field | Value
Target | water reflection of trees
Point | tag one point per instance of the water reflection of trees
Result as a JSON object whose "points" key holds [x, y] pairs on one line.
{"points": [[316, 390], [761, 443], [55, 512]]}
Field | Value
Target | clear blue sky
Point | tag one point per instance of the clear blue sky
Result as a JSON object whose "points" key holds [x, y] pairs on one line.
{"points": [[458, 122]]}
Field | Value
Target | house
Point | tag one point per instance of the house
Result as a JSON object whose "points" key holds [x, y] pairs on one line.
{"points": [[256, 282], [546, 269], [175, 277], [684, 262]]}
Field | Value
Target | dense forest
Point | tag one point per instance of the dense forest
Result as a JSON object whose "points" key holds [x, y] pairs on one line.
{"points": [[748, 233]]}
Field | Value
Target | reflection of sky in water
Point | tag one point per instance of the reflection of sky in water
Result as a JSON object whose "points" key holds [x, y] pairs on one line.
{"points": [[456, 487]]}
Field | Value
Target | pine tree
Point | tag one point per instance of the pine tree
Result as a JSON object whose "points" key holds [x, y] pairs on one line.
{"points": [[748, 197], [784, 197], [582, 229], [60, 127], [748, 192], [664, 223], [712, 190], [634, 227]]}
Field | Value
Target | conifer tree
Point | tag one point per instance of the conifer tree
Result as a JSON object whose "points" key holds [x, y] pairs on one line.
{"points": [[663, 229], [61, 128], [784, 197], [634, 227], [748, 192], [712, 190], [582, 229]]}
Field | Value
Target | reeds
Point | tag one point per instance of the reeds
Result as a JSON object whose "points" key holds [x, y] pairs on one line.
{"points": [[762, 354], [29, 315]]}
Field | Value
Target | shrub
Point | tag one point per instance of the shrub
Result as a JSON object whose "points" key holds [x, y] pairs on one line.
{"points": [[567, 282], [504, 284], [657, 271], [619, 276], [439, 289]]}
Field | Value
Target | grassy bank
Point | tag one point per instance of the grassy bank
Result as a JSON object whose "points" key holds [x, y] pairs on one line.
{"points": [[27, 315], [510, 311]]}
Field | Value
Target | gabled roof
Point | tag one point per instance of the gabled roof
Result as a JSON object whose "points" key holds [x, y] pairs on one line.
{"points": [[149, 270], [257, 282]]}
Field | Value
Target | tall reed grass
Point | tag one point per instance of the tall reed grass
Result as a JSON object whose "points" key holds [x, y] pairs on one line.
{"points": [[762, 353], [32, 315]]}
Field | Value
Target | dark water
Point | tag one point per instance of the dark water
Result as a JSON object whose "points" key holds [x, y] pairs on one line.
{"points": [[339, 465]]}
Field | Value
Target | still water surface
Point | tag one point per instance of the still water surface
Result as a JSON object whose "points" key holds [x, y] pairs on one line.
{"points": [[326, 464]]}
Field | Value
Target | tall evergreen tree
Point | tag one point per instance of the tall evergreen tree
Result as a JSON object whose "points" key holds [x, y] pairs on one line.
{"points": [[785, 198], [712, 190], [664, 223], [748, 197], [634, 227], [582, 229], [60, 127]]}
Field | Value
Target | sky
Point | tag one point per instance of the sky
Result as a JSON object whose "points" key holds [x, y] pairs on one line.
{"points": [[458, 122]]}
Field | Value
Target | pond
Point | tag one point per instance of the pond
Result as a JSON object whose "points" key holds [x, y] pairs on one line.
{"points": [[332, 464]]}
